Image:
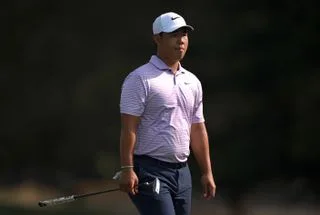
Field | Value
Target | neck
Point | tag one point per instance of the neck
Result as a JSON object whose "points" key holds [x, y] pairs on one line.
{"points": [[172, 64]]}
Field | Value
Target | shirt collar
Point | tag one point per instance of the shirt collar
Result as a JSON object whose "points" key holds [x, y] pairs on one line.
{"points": [[157, 62]]}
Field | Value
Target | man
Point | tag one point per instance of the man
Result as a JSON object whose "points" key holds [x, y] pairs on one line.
{"points": [[161, 118]]}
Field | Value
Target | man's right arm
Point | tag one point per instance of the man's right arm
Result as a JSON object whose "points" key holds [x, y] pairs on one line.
{"points": [[129, 124]]}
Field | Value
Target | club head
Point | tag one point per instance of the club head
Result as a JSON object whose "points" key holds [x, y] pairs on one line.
{"points": [[155, 185]]}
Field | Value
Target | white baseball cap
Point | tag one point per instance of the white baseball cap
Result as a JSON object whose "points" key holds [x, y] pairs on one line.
{"points": [[169, 22]]}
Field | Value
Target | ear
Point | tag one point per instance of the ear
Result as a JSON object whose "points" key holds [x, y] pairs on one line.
{"points": [[156, 38]]}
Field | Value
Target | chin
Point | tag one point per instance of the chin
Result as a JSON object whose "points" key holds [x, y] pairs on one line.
{"points": [[180, 57]]}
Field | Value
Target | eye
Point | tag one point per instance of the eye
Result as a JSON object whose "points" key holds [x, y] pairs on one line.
{"points": [[176, 34]]}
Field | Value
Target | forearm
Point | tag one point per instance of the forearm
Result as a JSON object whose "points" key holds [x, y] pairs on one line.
{"points": [[129, 125], [127, 142], [200, 147]]}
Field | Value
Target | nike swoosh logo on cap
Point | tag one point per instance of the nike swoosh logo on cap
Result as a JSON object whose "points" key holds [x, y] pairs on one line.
{"points": [[173, 18]]}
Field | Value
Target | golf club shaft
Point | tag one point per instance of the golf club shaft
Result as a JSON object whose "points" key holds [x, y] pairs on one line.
{"points": [[67, 199], [95, 193]]}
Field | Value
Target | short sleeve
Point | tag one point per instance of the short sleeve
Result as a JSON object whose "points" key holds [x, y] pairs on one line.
{"points": [[198, 107], [133, 95]]}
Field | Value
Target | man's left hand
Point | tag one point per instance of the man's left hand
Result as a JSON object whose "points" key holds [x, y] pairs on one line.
{"points": [[209, 186]]}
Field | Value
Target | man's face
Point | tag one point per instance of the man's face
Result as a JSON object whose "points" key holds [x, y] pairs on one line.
{"points": [[173, 45]]}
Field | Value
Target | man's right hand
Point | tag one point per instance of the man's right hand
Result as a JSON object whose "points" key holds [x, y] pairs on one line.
{"points": [[129, 181]]}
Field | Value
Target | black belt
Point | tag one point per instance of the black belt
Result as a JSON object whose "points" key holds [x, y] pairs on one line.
{"points": [[157, 162]]}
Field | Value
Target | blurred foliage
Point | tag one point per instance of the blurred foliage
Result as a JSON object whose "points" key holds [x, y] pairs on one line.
{"points": [[66, 211], [63, 63]]}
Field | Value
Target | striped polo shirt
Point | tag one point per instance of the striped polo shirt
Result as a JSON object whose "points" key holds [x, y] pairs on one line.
{"points": [[167, 105]]}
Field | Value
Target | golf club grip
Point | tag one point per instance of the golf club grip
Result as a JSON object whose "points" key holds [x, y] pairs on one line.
{"points": [[56, 201]]}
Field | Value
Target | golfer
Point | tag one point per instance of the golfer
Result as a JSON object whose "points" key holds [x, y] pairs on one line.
{"points": [[161, 120]]}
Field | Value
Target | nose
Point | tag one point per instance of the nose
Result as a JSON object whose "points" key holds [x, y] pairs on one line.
{"points": [[182, 39]]}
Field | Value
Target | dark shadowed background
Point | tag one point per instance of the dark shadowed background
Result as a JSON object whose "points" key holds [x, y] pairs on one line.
{"points": [[62, 66]]}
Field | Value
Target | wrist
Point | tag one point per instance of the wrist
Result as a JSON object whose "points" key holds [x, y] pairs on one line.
{"points": [[126, 167], [207, 173]]}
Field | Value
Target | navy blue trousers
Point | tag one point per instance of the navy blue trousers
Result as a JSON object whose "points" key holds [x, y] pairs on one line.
{"points": [[175, 193]]}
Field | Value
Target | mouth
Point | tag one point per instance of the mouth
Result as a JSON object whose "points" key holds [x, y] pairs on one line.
{"points": [[180, 49]]}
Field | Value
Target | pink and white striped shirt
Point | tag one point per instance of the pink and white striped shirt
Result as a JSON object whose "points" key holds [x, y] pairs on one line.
{"points": [[167, 105]]}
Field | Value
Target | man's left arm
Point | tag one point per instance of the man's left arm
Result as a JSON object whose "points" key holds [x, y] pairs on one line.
{"points": [[201, 151]]}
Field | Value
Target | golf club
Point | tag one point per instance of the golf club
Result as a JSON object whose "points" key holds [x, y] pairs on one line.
{"points": [[155, 185]]}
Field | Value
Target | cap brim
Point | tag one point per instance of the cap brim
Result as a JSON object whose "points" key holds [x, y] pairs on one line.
{"points": [[189, 27]]}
